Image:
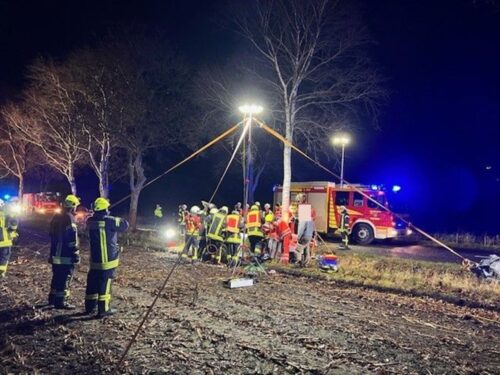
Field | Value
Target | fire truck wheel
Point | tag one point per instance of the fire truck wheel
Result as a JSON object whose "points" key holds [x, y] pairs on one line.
{"points": [[362, 234]]}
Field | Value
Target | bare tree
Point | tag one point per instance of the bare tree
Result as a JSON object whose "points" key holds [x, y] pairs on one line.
{"points": [[16, 154], [150, 82], [309, 60], [50, 119]]}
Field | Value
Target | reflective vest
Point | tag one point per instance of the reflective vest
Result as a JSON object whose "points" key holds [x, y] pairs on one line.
{"points": [[233, 223], [253, 223], [216, 226], [193, 224], [158, 213], [6, 226], [268, 216]]}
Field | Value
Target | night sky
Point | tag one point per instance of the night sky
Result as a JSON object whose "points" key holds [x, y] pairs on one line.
{"points": [[437, 132]]}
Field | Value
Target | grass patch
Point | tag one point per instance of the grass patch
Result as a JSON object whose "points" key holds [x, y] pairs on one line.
{"points": [[445, 281]]}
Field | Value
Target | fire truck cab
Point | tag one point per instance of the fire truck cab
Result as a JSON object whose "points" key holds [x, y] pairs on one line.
{"points": [[368, 220]]}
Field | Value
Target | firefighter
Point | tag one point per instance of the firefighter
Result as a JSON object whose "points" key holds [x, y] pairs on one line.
{"points": [[181, 219], [8, 234], [215, 231], [344, 228], [158, 215], [193, 226], [104, 257], [238, 208], [64, 252], [233, 238], [254, 229], [267, 214]]}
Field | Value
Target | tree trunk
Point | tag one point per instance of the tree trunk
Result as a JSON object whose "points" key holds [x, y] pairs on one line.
{"points": [[287, 164], [72, 181], [104, 180], [137, 179], [20, 188], [132, 213]]}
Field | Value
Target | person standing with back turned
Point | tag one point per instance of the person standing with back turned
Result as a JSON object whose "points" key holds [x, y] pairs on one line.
{"points": [[104, 257]]}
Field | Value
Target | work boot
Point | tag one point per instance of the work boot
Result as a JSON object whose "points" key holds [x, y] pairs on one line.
{"points": [[65, 306], [104, 314]]}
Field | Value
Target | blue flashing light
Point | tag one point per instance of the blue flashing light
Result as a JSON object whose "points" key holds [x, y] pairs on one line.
{"points": [[6, 197], [374, 187], [396, 188]]}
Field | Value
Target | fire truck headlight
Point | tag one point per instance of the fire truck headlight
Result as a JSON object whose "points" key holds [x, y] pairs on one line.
{"points": [[169, 233], [42, 210]]}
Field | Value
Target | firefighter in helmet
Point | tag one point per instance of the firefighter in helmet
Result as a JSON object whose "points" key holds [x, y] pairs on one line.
{"points": [[8, 234], [267, 214], [104, 257], [216, 230], [233, 238], [254, 229], [64, 252], [344, 228], [193, 227]]}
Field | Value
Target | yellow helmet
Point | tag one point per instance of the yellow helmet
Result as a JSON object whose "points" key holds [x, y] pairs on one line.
{"points": [[101, 204], [71, 201], [254, 207]]}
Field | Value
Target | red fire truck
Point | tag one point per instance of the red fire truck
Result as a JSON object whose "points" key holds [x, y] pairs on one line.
{"points": [[368, 220], [42, 203]]}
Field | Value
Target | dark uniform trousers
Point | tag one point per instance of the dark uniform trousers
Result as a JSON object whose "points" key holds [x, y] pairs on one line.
{"points": [[98, 292], [61, 280], [4, 259]]}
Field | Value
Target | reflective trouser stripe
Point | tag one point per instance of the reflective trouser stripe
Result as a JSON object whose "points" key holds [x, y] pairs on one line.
{"points": [[92, 297], [3, 267], [61, 260], [107, 296], [105, 266]]}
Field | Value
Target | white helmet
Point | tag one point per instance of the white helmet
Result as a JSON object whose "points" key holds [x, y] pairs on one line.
{"points": [[195, 210], [224, 209], [2, 203], [267, 205], [213, 211], [257, 204]]}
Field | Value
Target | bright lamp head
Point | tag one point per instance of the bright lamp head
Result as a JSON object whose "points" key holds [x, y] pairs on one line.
{"points": [[250, 109], [169, 233], [341, 139]]}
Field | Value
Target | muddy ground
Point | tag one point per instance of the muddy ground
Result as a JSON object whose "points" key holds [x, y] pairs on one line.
{"points": [[284, 324]]}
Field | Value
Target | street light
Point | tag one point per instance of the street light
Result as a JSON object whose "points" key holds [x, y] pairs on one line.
{"points": [[342, 140]]}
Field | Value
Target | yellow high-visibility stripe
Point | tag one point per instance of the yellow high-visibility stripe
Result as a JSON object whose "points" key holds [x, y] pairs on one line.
{"points": [[61, 260], [105, 266], [117, 221], [104, 247], [92, 297], [3, 267]]}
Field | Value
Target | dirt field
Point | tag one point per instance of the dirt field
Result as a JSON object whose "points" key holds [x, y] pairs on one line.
{"points": [[285, 324]]}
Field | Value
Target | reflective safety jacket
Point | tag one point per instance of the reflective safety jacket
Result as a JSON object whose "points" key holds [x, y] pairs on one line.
{"points": [[233, 223], [181, 217], [217, 226], [193, 225], [254, 223], [103, 237], [344, 221], [8, 228], [64, 240]]}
